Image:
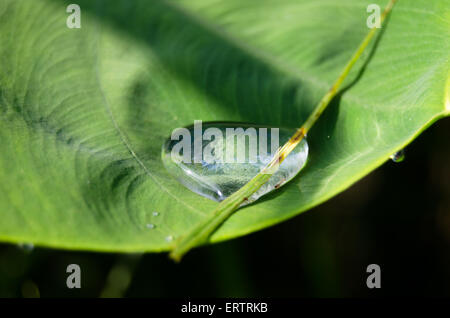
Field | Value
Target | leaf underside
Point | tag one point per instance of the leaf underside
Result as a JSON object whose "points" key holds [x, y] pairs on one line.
{"points": [[84, 112]]}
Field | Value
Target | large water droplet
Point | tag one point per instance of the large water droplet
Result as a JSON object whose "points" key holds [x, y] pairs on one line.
{"points": [[399, 156], [216, 159]]}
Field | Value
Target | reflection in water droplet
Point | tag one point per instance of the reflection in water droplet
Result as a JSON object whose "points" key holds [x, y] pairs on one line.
{"points": [[27, 247], [151, 226], [169, 238], [399, 156], [220, 170], [155, 213]]}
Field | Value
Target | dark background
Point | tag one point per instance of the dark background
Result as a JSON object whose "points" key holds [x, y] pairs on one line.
{"points": [[397, 217]]}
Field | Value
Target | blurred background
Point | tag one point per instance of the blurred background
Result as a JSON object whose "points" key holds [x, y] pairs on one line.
{"points": [[397, 217]]}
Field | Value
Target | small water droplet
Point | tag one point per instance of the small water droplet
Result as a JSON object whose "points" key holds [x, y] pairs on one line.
{"points": [[217, 170], [328, 137], [27, 247], [151, 226], [399, 156], [169, 238], [155, 213]]}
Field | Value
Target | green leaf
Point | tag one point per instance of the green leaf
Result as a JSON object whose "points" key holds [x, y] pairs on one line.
{"points": [[84, 112]]}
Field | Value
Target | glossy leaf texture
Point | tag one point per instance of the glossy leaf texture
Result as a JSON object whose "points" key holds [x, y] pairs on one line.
{"points": [[84, 112]]}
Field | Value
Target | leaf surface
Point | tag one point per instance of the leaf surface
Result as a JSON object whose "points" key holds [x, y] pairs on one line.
{"points": [[84, 112]]}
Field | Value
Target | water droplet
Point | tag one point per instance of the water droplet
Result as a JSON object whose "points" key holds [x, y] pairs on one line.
{"points": [[217, 159], [155, 213], [151, 226], [399, 156], [27, 247], [169, 238]]}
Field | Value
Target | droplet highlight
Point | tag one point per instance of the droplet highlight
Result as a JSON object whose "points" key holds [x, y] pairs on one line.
{"points": [[399, 156], [27, 247]]}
